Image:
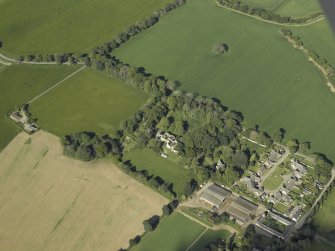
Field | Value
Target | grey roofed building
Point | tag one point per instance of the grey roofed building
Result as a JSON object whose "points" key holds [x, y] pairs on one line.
{"points": [[300, 167], [241, 209], [215, 195], [274, 156]]}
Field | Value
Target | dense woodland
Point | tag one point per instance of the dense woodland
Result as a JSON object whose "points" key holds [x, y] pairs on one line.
{"points": [[266, 14]]}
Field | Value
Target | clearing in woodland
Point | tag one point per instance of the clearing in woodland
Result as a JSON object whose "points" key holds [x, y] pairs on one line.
{"points": [[89, 101], [51, 202], [262, 75], [19, 84], [40, 27]]}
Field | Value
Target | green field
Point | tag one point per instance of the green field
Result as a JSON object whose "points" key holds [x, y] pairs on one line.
{"points": [[299, 8], [19, 84], [262, 76], [325, 219], [170, 171], [174, 233], [89, 101], [318, 37], [208, 237], [275, 179], [46, 26], [266, 4]]}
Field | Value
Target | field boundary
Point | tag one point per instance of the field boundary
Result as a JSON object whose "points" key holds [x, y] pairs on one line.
{"points": [[312, 21], [55, 85], [196, 240]]}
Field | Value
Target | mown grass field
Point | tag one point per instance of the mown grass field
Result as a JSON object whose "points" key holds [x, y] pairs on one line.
{"points": [[299, 8], [19, 84], [262, 76], [89, 101], [170, 171], [30, 26], [275, 179], [174, 233], [325, 219], [208, 237], [51, 202]]}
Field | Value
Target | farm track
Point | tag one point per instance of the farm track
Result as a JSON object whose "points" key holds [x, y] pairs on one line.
{"points": [[55, 85], [318, 19]]}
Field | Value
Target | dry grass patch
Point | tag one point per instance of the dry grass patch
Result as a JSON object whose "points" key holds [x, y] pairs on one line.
{"points": [[51, 202]]}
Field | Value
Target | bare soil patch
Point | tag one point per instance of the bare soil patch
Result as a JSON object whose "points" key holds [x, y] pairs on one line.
{"points": [[51, 202]]}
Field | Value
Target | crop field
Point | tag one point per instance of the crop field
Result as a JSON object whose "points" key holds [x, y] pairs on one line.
{"points": [[299, 8], [89, 101], [174, 233], [170, 171], [319, 37], [209, 236], [262, 76], [325, 219], [47, 26], [19, 84], [51, 202]]}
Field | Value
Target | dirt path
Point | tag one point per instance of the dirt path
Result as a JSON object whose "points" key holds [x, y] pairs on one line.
{"points": [[55, 85], [323, 71], [319, 18], [321, 238]]}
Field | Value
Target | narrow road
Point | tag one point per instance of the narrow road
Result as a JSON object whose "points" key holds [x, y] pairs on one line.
{"points": [[55, 85], [319, 18]]}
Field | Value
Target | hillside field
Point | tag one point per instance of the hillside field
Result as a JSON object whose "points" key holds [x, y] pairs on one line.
{"points": [[51, 202], [30, 26], [262, 75], [19, 84], [170, 171], [174, 233], [89, 101]]}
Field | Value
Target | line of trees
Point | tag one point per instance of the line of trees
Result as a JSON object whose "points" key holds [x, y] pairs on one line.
{"points": [[325, 65], [108, 47], [156, 182], [266, 14]]}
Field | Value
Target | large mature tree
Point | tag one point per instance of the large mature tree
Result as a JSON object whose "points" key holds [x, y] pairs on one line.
{"points": [[220, 48]]}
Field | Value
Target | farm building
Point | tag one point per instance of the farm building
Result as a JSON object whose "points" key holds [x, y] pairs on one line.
{"points": [[276, 225], [241, 209], [215, 195]]}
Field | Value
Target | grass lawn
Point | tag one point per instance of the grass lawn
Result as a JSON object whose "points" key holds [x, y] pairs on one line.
{"points": [[89, 101], [275, 179], [325, 218], [210, 236], [299, 8], [19, 84], [47, 26], [170, 171], [262, 76], [174, 233]]}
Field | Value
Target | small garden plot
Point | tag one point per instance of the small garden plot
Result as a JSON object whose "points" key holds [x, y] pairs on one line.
{"points": [[280, 207], [274, 224]]}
